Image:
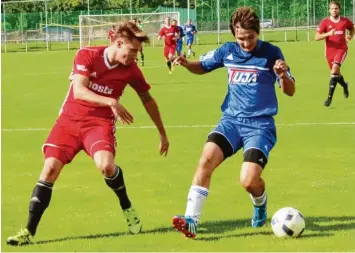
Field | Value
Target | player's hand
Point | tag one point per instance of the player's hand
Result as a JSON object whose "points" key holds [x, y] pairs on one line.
{"points": [[280, 67], [331, 32], [121, 113], [180, 60], [348, 38], [164, 145]]}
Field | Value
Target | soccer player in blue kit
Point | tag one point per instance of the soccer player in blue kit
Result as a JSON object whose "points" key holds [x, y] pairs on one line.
{"points": [[247, 122], [190, 30], [179, 41]]}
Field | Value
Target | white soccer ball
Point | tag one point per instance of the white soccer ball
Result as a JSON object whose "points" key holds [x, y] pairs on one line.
{"points": [[288, 222]]}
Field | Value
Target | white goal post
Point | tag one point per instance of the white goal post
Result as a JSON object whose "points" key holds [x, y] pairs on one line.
{"points": [[94, 28]]}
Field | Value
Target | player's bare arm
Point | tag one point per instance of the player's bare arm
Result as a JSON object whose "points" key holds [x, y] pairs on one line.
{"points": [[81, 92], [322, 36], [350, 36], [286, 82], [193, 67], [152, 109]]}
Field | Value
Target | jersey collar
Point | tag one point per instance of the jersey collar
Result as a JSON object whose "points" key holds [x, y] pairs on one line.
{"points": [[335, 21], [106, 60]]}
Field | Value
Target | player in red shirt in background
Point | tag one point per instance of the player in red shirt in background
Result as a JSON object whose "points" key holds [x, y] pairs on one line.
{"points": [[333, 30], [111, 33], [170, 33], [87, 122]]}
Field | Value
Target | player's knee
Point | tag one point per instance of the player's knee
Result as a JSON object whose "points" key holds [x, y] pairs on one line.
{"points": [[105, 164], [51, 170], [249, 183]]}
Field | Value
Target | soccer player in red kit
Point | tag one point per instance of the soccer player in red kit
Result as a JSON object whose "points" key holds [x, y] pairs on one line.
{"points": [[170, 33], [333, 29], [87, 122], [111, 33]]}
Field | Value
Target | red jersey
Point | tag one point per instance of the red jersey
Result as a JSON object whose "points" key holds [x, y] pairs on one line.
{"points": [[111, 34], [338, 39], [169, 32], [105, 80]]}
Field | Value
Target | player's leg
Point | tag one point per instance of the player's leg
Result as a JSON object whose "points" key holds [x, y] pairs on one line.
{"points": [[334, 77], [256, 151], [338, 61], [166, 55], [188, 42], [171, 55], [60, 148], [220, 144], [100, 143], [178, 48], [191, 43]]}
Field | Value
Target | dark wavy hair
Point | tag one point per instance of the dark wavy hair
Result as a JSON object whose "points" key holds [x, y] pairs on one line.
{"points": [[246, 18]]}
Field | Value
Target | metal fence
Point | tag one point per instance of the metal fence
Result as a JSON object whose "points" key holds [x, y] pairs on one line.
{"points": [[281, 20]]}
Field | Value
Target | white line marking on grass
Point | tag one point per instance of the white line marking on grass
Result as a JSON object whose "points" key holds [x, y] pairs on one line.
{"points": [[186, 126]]}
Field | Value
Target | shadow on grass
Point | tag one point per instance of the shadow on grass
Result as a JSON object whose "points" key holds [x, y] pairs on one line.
{"points": [[320, 226]]}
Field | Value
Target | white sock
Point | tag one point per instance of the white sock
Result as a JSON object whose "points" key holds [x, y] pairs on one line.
{"points": [[189, 51], [259, 201], [195, 200]]}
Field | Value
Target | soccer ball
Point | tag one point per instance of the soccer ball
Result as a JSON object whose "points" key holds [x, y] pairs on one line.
{"points": [[288, 222]]}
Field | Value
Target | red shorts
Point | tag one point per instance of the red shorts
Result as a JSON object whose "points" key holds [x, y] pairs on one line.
{"points": [[335, 56], [69, 136], [169, 50]]}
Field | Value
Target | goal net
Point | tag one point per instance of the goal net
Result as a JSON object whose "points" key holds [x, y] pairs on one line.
{"points": [[94, 28]]}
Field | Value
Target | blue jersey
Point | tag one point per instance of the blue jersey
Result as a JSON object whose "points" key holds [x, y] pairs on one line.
{"points": [[251, 78], [190, 30], [182, 34]]}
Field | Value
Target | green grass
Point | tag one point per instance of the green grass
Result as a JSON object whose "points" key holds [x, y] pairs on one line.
{"points": [[311, 167]]}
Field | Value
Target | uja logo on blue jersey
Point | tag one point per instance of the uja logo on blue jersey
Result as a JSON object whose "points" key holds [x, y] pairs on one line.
{"points": [[242, 76]]}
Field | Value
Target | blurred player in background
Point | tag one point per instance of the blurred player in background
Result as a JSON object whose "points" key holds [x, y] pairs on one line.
{"points": [[247, 121], [87, 122], [179, 41], [140, 25], [111, 33], [190, 31], [333, 29], [170, 34]]}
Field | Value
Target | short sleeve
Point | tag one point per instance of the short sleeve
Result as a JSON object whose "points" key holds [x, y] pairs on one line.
{"points": [[212, 60], [322, 27], [138, 82], [161, 33], [82, 63]]}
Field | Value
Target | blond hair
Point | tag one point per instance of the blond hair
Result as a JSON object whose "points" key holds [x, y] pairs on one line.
{"points": [[130, 30]]}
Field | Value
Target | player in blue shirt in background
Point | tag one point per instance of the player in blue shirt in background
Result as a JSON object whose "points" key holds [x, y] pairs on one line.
{"points": [[179, 41], [247, 122], [190, 31]]}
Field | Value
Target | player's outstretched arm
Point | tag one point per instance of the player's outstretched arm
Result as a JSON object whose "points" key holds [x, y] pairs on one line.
{"points": [[192, 66], [322, 36], [152, 109], [287, 83]]}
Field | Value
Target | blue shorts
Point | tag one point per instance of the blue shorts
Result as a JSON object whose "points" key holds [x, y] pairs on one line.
{"points": [[178, 47], [247, 133], [189, 40]]}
